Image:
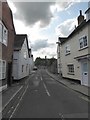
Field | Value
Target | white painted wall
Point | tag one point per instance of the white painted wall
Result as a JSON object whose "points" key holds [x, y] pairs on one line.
{"points": [[31, 64], [21, 60], [15, 64], [58, 59], [69, 59]]}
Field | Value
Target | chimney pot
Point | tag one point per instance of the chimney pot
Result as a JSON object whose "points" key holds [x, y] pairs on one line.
{"points": [[80, 18], [81, 12]]}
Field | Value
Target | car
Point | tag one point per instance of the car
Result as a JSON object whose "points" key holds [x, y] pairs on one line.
{"points": [[35, 68]]}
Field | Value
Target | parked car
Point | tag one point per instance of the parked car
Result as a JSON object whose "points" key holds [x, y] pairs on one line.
{"points": [[35, 68]]}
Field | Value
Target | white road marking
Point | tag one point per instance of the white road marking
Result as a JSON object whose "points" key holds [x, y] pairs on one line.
{"points": [[61, 116], [46, 89], [18, 103], [11, 98], [12, 107], [9, 111]]}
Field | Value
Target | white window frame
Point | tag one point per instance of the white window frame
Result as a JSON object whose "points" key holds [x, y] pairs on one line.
{"points": [[71, 68], [2, 69], [67, 49], [4, 35], [81, 40], [1, 33]]}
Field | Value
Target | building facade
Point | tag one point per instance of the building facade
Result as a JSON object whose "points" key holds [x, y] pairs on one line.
{"points": [[30, 61], [75, 52], [7, 34], [21, 66]]}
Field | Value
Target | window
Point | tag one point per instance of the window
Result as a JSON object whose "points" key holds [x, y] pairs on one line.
{"points": [[22, 68], [83, 42], [0, 32], [26, 67], [2, 69], [25, 54], [67, 49], [3, 34], [70, 68]]}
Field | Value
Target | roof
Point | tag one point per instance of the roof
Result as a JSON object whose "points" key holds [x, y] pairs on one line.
{"points": [[62, 39], [19, 40], [87, 10], [78, 28]]}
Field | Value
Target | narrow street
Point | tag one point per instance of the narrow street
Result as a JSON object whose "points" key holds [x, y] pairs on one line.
{"points": [[43, 97]]}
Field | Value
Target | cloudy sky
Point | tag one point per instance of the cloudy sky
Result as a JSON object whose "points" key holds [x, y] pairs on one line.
{"points": [[43, 22]]}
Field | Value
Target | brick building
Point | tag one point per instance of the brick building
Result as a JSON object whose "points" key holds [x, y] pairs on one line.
{"points": [[7, 34]]}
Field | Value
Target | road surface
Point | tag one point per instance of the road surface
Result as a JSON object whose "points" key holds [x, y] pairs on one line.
{"points": [[43, 97]]}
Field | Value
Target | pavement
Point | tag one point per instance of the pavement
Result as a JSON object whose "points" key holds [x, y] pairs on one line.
{"points": [[3, 88], [71, 84], [8, 94]]}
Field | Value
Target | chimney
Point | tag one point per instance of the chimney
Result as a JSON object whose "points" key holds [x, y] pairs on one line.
{"points": [[80, 18]]}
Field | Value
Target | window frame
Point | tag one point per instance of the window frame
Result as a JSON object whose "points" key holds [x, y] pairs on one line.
{"points": [[71, 68], [82, 40], [67, 49], [2, 69], [1, 38], [22, 68], [4, 40]]}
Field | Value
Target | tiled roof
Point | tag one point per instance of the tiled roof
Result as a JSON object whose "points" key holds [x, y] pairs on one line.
{"points": [[19, 40]]}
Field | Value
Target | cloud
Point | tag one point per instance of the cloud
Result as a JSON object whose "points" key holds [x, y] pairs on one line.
{"points": [[32, 12], [65, 28], [64, 5], [40, 44], [49, 52]]}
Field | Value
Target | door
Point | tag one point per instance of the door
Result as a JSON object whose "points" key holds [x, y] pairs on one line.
{"points": [[9, 76], [85, 73]]}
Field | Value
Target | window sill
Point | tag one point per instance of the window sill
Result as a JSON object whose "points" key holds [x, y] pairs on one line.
{"points": [[83, 48], [70, 73], [3, 43], [67, 54]]}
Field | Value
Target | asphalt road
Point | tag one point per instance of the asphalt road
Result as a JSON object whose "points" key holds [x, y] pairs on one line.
{"points": [[43, 97]]}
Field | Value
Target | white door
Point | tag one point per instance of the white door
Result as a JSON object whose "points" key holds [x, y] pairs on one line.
{"points": [[85, 73]]}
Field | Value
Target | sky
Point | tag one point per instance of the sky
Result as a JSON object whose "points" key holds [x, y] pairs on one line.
{"points": [[44, 22]]}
